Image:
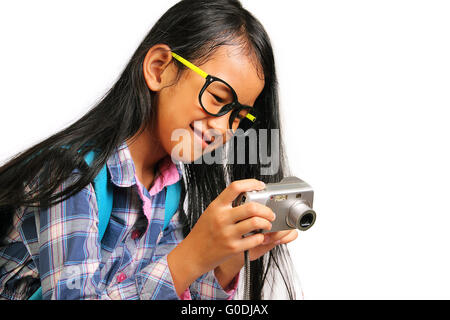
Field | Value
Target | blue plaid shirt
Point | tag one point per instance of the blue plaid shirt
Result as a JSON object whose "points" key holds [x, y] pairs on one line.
{"points": [[60, 247]]}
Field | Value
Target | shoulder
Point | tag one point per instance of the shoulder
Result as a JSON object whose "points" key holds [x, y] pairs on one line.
{"points": [[80, 205]]}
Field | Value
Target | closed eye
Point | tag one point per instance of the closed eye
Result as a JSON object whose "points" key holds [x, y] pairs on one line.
{"points": [[218, 99]]}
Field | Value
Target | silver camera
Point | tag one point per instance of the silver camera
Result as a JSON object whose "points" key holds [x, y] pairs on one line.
{"points": [[291, 199]]}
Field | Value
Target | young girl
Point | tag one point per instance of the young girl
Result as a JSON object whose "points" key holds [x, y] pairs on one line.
{"points": [[49, 211]]}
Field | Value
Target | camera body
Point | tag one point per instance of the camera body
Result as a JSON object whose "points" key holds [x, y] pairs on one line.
{"points": [[291, 199]]}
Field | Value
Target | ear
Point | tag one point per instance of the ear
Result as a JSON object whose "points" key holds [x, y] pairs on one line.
{"points": [[155, 63]]}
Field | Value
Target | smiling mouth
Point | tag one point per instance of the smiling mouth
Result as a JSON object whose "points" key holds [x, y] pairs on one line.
{"points": [[201, 136]]}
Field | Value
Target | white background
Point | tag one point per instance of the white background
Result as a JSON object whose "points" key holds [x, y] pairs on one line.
{"points": [[364, 87]]}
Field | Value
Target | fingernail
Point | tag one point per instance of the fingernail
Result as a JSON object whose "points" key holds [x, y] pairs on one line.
{"points": [[266, 239], [262, 185], [277, 242]]}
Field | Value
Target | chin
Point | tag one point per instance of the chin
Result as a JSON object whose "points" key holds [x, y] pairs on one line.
{"points": [[184, 152]]}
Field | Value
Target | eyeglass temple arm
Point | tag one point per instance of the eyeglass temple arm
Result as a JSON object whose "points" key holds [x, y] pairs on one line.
{"points": [[190, 65]]}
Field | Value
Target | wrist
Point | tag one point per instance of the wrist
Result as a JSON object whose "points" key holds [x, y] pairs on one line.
{"points": [[228, 270], [184, 266]]}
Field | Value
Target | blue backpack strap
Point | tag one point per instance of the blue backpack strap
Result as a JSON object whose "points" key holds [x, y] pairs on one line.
{"points": [[37, 295], [173, 193], [104, 194]]}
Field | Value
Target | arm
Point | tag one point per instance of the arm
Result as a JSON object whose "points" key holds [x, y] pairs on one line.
{"points": [[71, 265], [215, 245], [227, 273], [191, 282]]}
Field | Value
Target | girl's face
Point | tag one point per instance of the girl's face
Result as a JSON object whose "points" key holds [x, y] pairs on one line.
{"points": [[181, 120]]}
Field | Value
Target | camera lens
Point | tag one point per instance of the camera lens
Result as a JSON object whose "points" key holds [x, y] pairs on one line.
{"points": [[306, 220], [300, 216]]}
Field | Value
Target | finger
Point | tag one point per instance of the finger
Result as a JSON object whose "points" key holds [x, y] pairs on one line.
{"points": [[260, 250], [275, 236], [251, 209], [251, 241], [291, 236], [235, 188], [252, 224]]}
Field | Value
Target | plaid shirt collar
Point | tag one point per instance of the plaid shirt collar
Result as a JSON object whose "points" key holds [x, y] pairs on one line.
{"points": [[123, 174]]}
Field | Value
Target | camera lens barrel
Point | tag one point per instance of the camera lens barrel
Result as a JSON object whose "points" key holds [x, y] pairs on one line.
{"points": [[300, 216]]}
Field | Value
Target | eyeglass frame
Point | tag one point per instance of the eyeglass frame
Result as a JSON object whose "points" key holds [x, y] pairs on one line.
{"points": [[234, 106]]}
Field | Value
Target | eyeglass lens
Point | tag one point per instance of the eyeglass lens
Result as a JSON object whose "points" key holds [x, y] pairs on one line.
{"points": [[216, 95]]}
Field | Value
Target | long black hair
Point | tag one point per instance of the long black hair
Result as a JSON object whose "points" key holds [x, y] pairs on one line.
{"points": [[193, 29]]}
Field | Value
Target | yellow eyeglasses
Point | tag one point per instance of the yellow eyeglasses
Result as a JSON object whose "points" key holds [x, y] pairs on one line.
{"points": [[218, 98]]}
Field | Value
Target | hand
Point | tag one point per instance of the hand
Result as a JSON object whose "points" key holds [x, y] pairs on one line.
{"points": [[229, 269], [217, 235], [219, 230]]}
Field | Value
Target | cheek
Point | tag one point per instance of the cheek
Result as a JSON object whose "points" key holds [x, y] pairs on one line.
{"points": [[167, 124], [175, 112], [177, 106]]}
